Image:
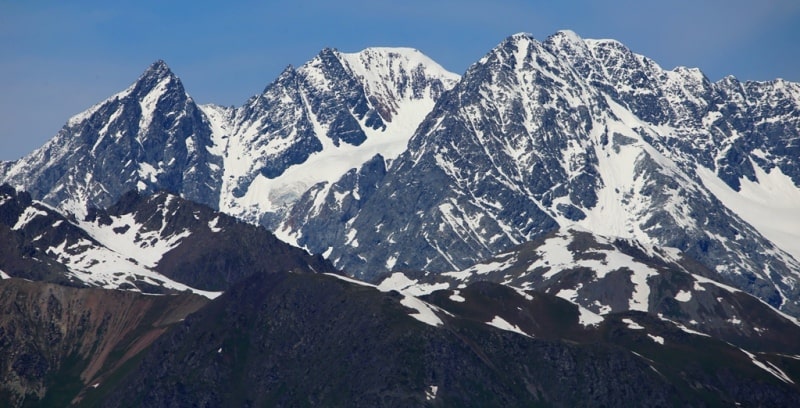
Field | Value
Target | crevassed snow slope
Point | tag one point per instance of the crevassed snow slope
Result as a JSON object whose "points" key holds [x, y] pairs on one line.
{"points": [[769, 204]]}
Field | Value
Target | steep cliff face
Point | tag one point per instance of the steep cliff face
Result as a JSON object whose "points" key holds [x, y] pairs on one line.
{"points": [[57, 341]]}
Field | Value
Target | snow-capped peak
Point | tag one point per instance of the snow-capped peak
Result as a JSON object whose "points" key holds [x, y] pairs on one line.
{"points": [[520, 36], [395, 74], [568, 35], [330, 115]]}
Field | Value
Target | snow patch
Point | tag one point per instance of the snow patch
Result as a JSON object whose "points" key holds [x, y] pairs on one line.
{"points": [[682, 327], [425, 312], [554, 256], [27, 216], [768, 367], [430, 392], [382, 82], [351, 280], [485, 268], [149, 246], [396, 281], [391, 262], [683, 296], [149, 102], [633, 325], [700, 279], [401, 283], [502, 324], [148, 172], [213, 225], [588, 318], [456, 297], [570, 294]]}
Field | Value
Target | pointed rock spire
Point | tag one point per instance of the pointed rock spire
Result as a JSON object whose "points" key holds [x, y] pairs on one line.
{"points": [[158, 69], [157, 75]]}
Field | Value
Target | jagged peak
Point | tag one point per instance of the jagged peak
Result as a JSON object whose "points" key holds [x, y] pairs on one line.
{"points": [[358, 60], [729, 80], [518, 41], [566, 35], [509, 48], [566, 41], [690, 72], [156, 78], [156, 73], [388, 50], [385, 57], [521, 36], [158, 69], [609, 46], [286, 75], [326, 60], [325, 54]]}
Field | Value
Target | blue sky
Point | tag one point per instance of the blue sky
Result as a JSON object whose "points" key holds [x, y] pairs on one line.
{"points": [[58, 58]]}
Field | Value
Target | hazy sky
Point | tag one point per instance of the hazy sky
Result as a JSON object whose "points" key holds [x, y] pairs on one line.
{"points": [[58, 58]]}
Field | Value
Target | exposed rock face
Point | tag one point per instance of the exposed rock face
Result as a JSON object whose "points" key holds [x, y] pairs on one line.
{"points": [[58, 341], [542, 135]]}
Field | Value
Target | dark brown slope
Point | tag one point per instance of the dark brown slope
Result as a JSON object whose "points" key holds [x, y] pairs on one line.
{"points": [[57, 341]]}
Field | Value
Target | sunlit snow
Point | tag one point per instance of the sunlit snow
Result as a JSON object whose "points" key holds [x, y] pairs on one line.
{"points": [[768, 367], [424, 312], [683, 296], [502, 324], [27, 216], [769, 204], [383, 73], [632, 324]]}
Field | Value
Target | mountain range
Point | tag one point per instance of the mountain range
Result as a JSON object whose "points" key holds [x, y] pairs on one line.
{"points": [[564, 206]]}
